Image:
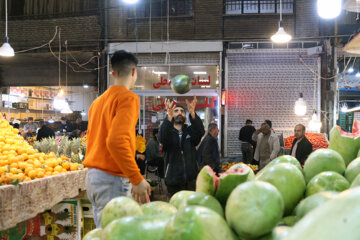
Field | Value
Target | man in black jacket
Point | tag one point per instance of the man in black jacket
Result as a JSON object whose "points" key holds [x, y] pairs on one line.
{"points": [[44, 131], [247, 144], [208, 152], [179, 141], [301, 147]]}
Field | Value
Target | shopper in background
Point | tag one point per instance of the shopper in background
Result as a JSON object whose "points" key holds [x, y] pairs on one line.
{"points": [[140, 155], [80, 125], [153, 155], [301, 147], [268, 144], [65, 125], [179, 141], [30, 128], [247, 144], [110, 149], [208, 152], [44, 131]]}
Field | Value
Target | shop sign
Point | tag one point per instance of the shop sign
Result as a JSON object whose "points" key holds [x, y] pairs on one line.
{"points": [[207, 104], [195, 81]]}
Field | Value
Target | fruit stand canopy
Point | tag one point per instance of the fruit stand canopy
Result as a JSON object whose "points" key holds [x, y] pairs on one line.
{"points": [[24, 201]]}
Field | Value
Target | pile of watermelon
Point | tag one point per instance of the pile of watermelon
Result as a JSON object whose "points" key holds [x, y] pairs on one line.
{"points": [[320, 201]]}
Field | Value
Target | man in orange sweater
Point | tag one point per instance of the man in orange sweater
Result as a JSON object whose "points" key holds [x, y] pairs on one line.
{"points": [[111, 147]]}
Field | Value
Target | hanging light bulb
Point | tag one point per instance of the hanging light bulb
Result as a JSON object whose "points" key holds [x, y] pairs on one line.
{"points": [[281, 36], [315, 124], [51, 120], [66, 108], [83, 113], [59, 102], [357, 74], [351, 70], [130, 1], [300, 106], [6, 50], [61, 92], [329, 9], [344, 108]]}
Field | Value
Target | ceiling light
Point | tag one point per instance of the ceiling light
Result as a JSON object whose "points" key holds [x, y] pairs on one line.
{"points": [[130, 1], [83, 113], [329, 9], [357, 74], [66, 108], [86, 86], [300, 106], [159, 72], [51, 120], [6, 50], [200, 73], [281, 36], [315, 123], [344, 108], [351, 70], [59, 102]]}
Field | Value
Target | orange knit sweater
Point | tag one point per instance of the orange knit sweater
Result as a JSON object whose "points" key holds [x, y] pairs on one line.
{"points": [[111, 136]]}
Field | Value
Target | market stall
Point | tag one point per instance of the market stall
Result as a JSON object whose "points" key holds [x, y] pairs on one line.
{"points": [[24, 201]]}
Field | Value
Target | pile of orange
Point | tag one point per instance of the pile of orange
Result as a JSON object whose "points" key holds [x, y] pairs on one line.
{"points": [[20, 162]]}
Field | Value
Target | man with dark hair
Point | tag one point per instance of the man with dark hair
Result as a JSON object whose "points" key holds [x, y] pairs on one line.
{"points": [[208, 152], [179, 141], [301, 147], [31, 127], [247, 145], [153, 155], [80, 125], [268, 144], [65, 125], [44, 131], [111, 140]]}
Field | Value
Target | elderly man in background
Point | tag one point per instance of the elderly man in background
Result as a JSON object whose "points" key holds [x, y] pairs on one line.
{"points": [[268, 144], [208, 152], [301, 147]]}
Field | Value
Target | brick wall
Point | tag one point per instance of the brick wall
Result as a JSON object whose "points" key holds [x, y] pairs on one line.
{"points": [[81, 32], [207, 22]]}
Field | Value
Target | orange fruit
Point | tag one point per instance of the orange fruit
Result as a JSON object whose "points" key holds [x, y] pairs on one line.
{"points": [[40, 174], [58, 169], [32, 174], [66, 165], [74, 166]]}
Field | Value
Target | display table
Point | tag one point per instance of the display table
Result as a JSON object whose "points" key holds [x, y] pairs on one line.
{"points": [[24, 201]]}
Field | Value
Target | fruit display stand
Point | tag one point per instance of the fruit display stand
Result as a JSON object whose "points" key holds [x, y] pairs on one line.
{"points": [[25, 200]]}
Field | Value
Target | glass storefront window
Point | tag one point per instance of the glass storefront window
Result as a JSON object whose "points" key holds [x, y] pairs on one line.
{"points": [[159, 77], [206, 109]]}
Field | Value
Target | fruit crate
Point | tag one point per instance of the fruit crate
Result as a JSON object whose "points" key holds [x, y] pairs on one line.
{"points": [[88, 225]]}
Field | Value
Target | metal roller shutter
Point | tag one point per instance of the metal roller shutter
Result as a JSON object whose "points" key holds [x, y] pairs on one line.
{"points": [[265, 84]]}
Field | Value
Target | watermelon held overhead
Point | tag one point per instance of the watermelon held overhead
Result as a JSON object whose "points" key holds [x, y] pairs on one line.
{"points": [[181, 84], [347, 144]]}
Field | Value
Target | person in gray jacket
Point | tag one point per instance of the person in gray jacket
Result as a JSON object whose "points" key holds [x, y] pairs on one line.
{"points": [[268, 144]]}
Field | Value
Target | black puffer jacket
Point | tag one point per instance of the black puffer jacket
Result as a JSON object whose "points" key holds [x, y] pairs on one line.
{"points": [[180, 156]]}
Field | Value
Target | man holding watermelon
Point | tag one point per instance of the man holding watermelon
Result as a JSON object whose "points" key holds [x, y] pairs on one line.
{"points": [[179, 141]]}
